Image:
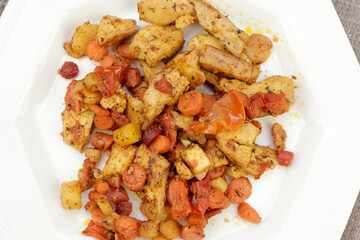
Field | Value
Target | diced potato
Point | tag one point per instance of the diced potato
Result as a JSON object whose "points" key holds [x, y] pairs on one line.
{"points": [[170, 229], [113, 30], [71, 195], [183, 171], [93, 154], [105, 206], [219, 183], [117, 101], [120, 157], [196, 159], [216, 157], [83, 34], [149, 229], [150, 210], [109, 223], [90, 82], [234, 171], [77, 128], [90, 206], [84, 95], [127, 134]]}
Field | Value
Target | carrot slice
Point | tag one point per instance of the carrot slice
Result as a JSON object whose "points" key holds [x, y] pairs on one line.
{"points": [[216, 198], [197, 219], [127, 226], [101, 186], [160, 144], [239, 190], [192, 232], [97, 216], [248, 213], [95, 51], [103, 123], [209, 101], [134, 177], [102, 141], [98, 110], [123, 50], [191, 103]]}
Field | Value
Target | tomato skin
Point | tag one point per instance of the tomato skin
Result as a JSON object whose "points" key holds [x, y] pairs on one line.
{"points": [[163, 86], [151, 132], [285, 158], [132, 77], [177, 196], [168, 123], [227, 113], [212, 212], [124, 208], [119, 119], [98, 232], [275, 104], [107, 83], [69, 98]]}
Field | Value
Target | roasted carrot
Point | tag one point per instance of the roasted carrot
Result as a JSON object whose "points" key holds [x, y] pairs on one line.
{"points": [[191, 103], [160, 144], [239, 190], [94, 196], [95, 51], [192, 232], [217, 172], [132, 77], [103, 123], [197, 219], [85, 180], [248, 213], [97, 216], [226, 203], [123, 50], [114, 181], [119, 195], [102, 141], [101, 186], [127, 226], [209, 101], [134, 177], [216, 198]]}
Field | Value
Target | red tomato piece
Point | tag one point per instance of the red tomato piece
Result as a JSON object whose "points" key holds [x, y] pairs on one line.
{"points": [[168, 122], [124, 208], [119, 119], [200, 201], [132, 77], [107, 82], [70, 100], [151, 132], [100, 233], [285, 158], [163, 86]]}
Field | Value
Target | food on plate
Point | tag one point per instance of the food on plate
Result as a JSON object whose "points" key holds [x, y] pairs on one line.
{"points": [[186, 154]]}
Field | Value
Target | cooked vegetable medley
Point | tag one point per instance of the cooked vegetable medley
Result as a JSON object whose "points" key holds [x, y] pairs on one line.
{"points": [[186, 154]]}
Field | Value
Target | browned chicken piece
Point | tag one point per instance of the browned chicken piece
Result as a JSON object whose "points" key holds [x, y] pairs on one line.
{"points": [[262, 159], [213, 79], [218, 61], [188, 65], [274, 84], [116, 102], [135, 112], [155, 100], [200, 40], [279, 136], [157, 169], [237, 145], [163, 13], [258, 48], [220, 26], [153, 43], [185, 21], [113, 30], [150, 72], [77, 128]]}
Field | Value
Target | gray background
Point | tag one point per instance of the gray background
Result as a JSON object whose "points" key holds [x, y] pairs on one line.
{"points": [[349, 14]]}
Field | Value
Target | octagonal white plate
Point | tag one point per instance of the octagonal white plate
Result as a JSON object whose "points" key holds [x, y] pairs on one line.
{"points": [[310, 200]]}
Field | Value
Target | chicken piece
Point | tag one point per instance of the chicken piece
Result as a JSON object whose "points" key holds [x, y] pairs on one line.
{"points": [[237, 145], [234, 171], [218, 61], [258, 48], [213, 79], [262, 159], [77, 128], [193, 137], [157, 169], [188, 65], [196, 159], [155, 101], [135, 112], [120, 157], [153, 43], [200, 40], [183, 171], [219, 26], [150, 72], [185, 21], [274, 84], [116, 102], [113, 30], [279, 136], [163, 13], [217, 158]]}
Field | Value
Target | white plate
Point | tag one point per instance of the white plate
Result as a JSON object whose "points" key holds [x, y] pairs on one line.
{"points": [[310, 200]]}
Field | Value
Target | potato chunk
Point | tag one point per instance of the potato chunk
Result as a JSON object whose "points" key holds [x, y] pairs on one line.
{"points": [[279, 136], [183, 171], [234, 171], [83, 34], [200, 40], [153, 43], [196, 160], [157, 168], [237, 145], [220, 26], [163, 13], [217, 158], [71, 195], [77, 128], [93, 154], [113, 30], [119, 159], [155, 101], [218, 61]]}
